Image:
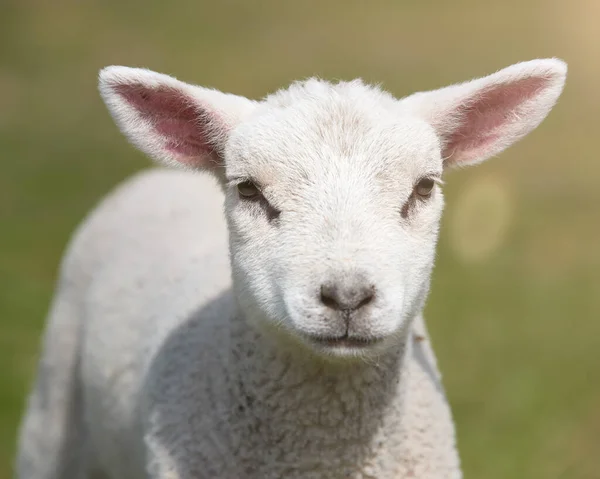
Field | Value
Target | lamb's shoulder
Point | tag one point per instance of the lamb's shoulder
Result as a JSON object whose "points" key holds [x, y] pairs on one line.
{"points": [[151, 253], [151, 258]]}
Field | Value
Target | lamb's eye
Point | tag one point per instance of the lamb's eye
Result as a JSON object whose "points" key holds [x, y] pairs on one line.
{"points": [[424, 187], [248, 190]]}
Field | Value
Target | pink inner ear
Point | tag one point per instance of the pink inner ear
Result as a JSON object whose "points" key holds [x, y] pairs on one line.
{"points": [[173, 116], [484, 115]]}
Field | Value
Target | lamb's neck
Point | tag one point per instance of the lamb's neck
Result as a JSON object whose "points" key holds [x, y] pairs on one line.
{"points": [[321, 409]]}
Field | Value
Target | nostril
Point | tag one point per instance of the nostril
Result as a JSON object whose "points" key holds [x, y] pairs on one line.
{"points": [[367, 296], [329, 296], [349, 298]]}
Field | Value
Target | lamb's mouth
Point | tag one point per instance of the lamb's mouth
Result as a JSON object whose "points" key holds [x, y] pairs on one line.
{"points": [[345, 341]]}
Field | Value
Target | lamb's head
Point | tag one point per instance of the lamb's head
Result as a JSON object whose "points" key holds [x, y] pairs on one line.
{"points": [[333, 194]]}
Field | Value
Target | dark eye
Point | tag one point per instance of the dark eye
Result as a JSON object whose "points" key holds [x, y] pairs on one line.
{"points": [[424, 187], [248, 190]]}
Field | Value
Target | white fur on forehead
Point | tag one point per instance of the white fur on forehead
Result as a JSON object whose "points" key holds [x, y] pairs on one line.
{"points": [[315, 126]]}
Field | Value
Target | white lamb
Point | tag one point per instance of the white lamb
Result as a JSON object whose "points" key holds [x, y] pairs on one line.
{"points": [[312, 361]]}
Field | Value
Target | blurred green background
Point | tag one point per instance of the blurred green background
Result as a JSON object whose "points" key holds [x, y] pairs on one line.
{"points": [[515, 307]]}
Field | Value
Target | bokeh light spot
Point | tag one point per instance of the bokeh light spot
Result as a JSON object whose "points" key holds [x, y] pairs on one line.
{"points": [[480, 219]]}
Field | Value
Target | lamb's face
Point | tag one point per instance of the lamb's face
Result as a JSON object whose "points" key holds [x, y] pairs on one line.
{"points": [[333, 206], [333, 199]]}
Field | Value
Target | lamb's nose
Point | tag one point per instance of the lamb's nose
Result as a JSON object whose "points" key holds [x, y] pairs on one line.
{"points": [[348, 294]]}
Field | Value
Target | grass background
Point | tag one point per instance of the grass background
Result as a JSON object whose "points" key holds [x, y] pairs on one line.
{"points": [[515, 307]]}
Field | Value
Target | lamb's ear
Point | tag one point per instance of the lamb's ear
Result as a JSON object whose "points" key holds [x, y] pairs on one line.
{"points": [[482, 117], [173, 122]]}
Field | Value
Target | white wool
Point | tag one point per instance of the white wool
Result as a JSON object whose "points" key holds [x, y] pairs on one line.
{"points": [[284, 338]]}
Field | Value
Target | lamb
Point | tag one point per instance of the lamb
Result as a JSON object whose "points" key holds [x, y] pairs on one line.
{"points": [[285, 340]]}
